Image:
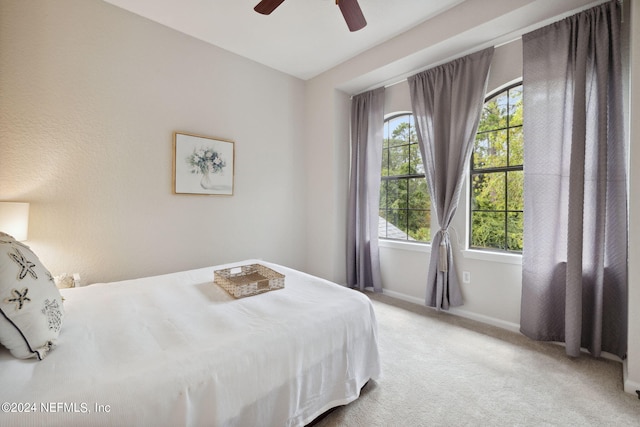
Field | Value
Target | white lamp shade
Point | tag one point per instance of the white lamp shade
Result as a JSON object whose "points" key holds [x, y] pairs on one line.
{"points": [[14, 219]]}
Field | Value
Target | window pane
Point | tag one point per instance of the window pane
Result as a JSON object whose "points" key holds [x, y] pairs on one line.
{"points": [[391, 124], [398, 161], [402, 200], [392, 218], [392, 193], [488, 230], [419, 223], [400, 130], [516, 146], [515, 106], [494, 114], [397, 219], [418, 194], [515, 226], [480, 150], [502, 101], [382, 223], [391, 221], [416, 159], [487, 192], [515, 190], [383, 194], [385, 162], [476, 186], [490, 150], [392, 226]]}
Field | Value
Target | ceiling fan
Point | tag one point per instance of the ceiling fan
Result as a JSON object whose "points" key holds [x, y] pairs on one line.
{"points": [[350, 10]]}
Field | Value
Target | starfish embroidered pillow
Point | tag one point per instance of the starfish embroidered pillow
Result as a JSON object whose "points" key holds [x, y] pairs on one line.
{"points": [[31, 309]]}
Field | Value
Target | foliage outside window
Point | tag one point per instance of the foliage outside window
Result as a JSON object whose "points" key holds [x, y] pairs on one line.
{"points": [[404, 198], [497, 179]]}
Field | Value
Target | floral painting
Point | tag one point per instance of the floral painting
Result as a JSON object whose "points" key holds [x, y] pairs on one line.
{"points": [[202, 165]]}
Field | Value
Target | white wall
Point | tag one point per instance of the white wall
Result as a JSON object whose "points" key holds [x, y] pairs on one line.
{"points": [[327, 163], [90, 97]]}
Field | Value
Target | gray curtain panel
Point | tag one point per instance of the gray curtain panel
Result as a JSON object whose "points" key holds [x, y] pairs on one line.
{"points": [[574, 286], [447, 101], [367, 123]]}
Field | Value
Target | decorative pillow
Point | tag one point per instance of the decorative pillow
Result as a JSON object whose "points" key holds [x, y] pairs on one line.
{"points": [[31, 309]]}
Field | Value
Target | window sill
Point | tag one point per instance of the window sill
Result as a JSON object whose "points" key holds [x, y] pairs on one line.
{"points": [[405, 246], [493, 256]]}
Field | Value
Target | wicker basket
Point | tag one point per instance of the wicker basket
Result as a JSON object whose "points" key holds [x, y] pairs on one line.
{"points": [[248, 280]]}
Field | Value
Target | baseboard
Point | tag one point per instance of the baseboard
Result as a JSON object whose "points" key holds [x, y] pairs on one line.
{"points": [[631, 387], [513, 327], [459, 312], [403, 297]]}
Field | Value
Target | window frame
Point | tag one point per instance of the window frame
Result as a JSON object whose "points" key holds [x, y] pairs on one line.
{"points": [[502, 169], [405, 177]]}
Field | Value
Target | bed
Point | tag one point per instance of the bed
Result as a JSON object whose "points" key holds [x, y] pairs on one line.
{"points": [[177, 350]]}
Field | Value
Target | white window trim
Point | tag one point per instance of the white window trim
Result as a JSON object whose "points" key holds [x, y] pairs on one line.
{"points": [[482, 255], [405, 246], [493, 256]]}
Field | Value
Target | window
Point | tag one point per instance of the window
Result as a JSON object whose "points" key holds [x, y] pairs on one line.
{"points": [[497, 178], [404, 199]]}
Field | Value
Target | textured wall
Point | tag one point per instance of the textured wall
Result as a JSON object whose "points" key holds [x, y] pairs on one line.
{"points": [[90, 96]]}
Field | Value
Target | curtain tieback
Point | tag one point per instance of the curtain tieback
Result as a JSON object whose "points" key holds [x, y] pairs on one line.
{"points": [[443, 261]]}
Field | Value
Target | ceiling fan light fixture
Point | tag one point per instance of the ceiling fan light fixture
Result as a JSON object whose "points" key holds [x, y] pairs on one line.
{"points": [[352, 13], [350, 9], [265, 7]]}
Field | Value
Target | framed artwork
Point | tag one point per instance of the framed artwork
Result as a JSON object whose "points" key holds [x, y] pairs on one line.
{"points": [[202, 165]]}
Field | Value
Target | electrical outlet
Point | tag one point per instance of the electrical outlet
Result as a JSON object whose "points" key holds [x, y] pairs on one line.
{"points": [[466, 277]]}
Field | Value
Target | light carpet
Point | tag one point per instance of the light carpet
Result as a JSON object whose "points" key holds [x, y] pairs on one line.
{"points": [[443, 370]]}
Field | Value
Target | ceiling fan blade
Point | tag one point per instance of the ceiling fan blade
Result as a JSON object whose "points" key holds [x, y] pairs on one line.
{"points": [[265, 7], [352, 14]]}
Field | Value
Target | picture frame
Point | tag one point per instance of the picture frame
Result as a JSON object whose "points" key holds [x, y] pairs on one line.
{"points": [[203, 165]]}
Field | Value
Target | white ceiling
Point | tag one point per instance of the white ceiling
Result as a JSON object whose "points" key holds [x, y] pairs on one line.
{"points": [[301, 37]]}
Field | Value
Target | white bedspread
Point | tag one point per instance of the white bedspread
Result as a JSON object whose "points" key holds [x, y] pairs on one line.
{"points": [[176, 350]]}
